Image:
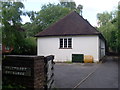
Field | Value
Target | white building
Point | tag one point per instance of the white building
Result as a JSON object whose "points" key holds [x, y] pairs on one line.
{"points": [[70, 36]]}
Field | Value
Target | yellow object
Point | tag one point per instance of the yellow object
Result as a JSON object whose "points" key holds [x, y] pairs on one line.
{"points": [[88, 59]]}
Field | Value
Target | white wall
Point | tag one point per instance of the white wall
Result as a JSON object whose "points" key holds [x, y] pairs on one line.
{"points": [[87, 45]]}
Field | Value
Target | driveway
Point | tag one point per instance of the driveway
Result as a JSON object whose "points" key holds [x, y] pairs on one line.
{"points": [[69, 75], [106, 76], [88, 75]]}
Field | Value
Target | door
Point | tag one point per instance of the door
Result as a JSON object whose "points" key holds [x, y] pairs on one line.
{"points": [[78, 58]]}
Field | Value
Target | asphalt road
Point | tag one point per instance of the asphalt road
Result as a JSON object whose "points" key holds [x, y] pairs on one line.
{"points": [[94, 75], [106, 76], [69, 75]]}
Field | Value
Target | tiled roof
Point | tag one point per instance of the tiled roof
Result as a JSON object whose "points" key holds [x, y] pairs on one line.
{"points": [[72, 24]]}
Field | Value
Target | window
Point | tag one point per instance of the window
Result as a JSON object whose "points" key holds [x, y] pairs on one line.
{"points": [[61, 43], [69, 42], [66, 43]]}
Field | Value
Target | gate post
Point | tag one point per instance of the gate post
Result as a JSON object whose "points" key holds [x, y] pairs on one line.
{"points": [[49, 71]]}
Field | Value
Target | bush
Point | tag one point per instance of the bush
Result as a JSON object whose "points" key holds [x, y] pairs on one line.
{"points": [[28, 47]]}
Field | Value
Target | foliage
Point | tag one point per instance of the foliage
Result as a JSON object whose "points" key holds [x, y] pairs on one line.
{"points": [[12, 34], [32, 15], [51, 13], [118, 31], [30, 29], [72, 6], [104, 18], [48, 15], [0, 35], [27, 48], [30, 46], [108, 26], [11, 12]]}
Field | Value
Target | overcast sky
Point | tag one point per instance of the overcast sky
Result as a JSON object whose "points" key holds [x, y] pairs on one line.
{"points": [[90, 7]]}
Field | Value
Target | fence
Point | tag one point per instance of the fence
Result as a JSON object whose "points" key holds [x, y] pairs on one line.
{"points": [[31, 72]]}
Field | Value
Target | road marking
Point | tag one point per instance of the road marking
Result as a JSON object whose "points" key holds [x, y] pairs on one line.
{"points": [[85, 78]]}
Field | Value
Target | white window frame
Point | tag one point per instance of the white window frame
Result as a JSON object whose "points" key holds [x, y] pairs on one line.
{"points": [[63, 45]]}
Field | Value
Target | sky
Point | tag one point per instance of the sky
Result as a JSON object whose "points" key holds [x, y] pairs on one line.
{"points": [[90, 7]]}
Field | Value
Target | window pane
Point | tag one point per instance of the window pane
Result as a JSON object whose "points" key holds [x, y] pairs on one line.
{"points": [[61, 43], [69, 43], [65, 43]]}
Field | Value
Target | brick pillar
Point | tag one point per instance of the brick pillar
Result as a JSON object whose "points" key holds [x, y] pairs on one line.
{"points": [[25, 71]]}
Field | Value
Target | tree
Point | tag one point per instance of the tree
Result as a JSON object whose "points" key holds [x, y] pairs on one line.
{"points": [[118, 31], [11, 21], [32, 15], [48, 15], [104, 18], [0, 35], [51, 13], [108, 26], [71, 5]]}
